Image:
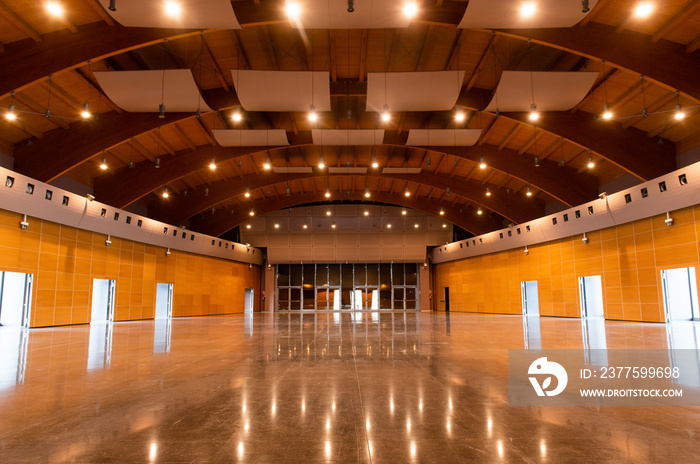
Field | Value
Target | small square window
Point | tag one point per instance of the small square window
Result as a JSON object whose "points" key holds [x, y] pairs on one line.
{"points": [[501, 235], [590, 210], [645, 192], [481, 241], [527, 228], [139, 223], [467, 244], [662, 186], [9, 182], [682, 179], [554, 221], [128, 219], [192, 238], [566, 218], [473, 242], [165, 230], [226, 245], [219, 243], [30, 189], [518, 230], [577, 213], [510, 233], [103, 213], [628, 198], [116, 216], [65, 200], [48, 195], [213, 242], [184, 235], [461, 245], [174, 232]]}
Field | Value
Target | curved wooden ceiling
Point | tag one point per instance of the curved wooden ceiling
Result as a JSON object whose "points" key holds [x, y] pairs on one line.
{"points": [[650, 64]]}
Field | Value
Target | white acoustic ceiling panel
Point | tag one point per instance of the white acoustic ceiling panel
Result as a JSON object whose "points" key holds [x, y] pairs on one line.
{"points": [[347, 137], [507, 14], [368, 14], [282, 90], [443, 137], [193, 14], [143, 91], [551, 91], [413, 91], [251, 138]]}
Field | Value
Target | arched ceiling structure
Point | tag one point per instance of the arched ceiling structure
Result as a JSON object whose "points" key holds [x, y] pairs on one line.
{"points": [[646, 68]]}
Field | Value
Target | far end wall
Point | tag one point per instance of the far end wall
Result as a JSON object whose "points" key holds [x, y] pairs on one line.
{"points": [[628, 258]]}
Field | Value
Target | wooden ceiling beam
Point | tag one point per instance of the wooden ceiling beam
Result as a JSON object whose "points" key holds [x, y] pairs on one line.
{"points": [[217, 69], [477, 69], [97, 8], [687, 11], [15, 20]]}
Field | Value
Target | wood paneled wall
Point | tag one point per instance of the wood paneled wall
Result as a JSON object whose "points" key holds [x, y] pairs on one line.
{"points": [[65, 260], [628, 258]]}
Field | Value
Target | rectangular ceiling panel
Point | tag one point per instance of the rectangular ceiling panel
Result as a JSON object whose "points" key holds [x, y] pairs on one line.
{"points": [[347, 137], [413, 91], [251, 138], [443, 137], [282, 90], [183, 14], [507, 14], [143, 91], [550, 91]]}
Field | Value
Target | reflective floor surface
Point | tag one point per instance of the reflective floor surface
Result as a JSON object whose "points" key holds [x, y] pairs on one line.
{"points": [[319, 387]]}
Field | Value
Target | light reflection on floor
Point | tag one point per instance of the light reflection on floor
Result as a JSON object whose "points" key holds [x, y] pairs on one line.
{"points": [[308, 387]]}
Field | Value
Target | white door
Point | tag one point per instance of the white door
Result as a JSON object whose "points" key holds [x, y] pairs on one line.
{"points": [[680, 294], [164, 301], [531, 302], [591, 296], [102, 300]]}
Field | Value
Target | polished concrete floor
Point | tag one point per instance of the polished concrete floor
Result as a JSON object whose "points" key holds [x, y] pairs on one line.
{"points": [[325, 387]]}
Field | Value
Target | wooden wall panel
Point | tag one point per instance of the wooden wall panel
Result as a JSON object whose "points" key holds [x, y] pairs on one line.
{"points": [[65, 260], [629, 258]]}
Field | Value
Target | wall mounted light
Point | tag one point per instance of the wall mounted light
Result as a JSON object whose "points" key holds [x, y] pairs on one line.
{"points": [[23, 223], [108, 242], [584, 239], [167, 253], [527, 252], [668, 220]]}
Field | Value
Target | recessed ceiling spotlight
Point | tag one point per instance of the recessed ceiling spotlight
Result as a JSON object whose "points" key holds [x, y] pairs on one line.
{"points": [[293, 11], [173, 9], [534, 115], [410, 9], [528, 9], [54, 9], [643, 9]]}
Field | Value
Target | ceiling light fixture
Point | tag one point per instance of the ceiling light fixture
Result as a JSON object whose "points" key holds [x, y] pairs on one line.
{"points": [[161, 111], [607, 114], [643, 9], [321, 164], [293, 11], [85, 114], [103, 164], [367, 194], [584, 6], [479, 211], [267, 164], [410, 9], [313, 116], [333, 225], [212, 165], [591, 164], [444, 225], [247, 226], [158, 163], [403, 212], [237, 116], [328, 193], [460, 116], [305, 226], [375, 163], [482, 163], [112, 5], [166, 194], [537, 161], [528, 9], [385, 114], [173, 9], [11, 115], [54, 9], [528, 192], [407, 192], [277, 226], [328, 212], [247, 193], [388, 226], [679, 114], [415, 226], [442, 212], [252, 212], [488, 192], [534, 115]]}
